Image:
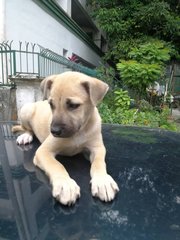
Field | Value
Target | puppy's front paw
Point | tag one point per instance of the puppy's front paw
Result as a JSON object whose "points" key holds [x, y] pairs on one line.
{"points": [[104, 187], [65, 190], [24, 139]]}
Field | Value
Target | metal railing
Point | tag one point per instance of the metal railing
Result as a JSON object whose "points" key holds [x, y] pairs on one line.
{"points": [[33, 61]]}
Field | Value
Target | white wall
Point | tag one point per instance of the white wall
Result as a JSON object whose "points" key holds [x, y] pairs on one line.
{"points": [[26, 21], [2, 20], [65, 5], [27, 91]]}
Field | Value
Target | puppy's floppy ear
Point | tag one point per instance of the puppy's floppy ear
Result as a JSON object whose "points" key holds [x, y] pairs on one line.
{"points": [[96, 89], [46, 86]]}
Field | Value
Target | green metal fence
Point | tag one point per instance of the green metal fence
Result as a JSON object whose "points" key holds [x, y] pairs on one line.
{"points": [[52, 63], [33, 61]]}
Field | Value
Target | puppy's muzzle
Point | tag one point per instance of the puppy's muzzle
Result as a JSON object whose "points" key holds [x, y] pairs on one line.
{"points": [[61, 130]]}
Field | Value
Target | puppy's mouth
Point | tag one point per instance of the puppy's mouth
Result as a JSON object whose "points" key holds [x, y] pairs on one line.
{"points": [[62, 135], [63, 132]]}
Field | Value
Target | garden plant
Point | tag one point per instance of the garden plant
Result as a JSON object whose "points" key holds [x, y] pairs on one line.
{"points": [[143, 40]]}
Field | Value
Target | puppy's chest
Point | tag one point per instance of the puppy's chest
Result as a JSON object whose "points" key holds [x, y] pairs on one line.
{"points": [[76, 145]]}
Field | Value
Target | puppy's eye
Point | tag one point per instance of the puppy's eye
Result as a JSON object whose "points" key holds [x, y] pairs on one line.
{"points": [[73, 106], [51, 104]]}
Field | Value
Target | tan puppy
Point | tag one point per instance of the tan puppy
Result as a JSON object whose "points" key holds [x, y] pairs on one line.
{"points": [[68, 123]]}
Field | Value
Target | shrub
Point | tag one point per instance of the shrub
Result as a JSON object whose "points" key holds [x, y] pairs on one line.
{"points": [[138, 76], [122, 99], [151, 52], [146, 65], [116, 110]]}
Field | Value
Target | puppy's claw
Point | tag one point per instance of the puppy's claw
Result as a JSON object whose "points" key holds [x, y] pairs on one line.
{"points": [[24, 139], [65, 190], [104, 187]]}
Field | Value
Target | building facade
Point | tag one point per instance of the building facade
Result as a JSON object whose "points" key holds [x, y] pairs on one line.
{"points": [[39, 38], [63, 26]]}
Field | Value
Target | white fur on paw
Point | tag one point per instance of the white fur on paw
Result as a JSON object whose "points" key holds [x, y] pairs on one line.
{"points": [[24, 139], [65, 190], [104, 187]]}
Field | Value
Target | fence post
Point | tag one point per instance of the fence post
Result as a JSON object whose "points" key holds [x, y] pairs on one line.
{"points": [[14, 62], [2, 66], [39, 65]]}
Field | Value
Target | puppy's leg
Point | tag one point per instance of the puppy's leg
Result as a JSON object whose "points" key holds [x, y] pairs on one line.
{"points": [[64, 188], [102, 184], [25, 115]]}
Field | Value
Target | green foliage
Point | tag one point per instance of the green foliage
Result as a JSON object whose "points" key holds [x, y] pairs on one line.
{"points": [[106, 73], [133, 21], [113, 111], [151, 53], [146, 66], [148, 118], [137, 76], [122, 99], [120, 49], [145, 106], [158, 18], [107, 114], [126, 117], [145, 34]]}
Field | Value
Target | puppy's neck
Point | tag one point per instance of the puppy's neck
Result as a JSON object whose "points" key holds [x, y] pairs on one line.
{"points": [[93, 121]]}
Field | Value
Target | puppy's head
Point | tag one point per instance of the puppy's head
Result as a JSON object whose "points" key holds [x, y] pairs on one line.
{"points": [[72, 97]]}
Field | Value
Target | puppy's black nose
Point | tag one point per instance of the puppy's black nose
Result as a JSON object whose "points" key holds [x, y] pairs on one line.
{"points": [[57, 130]]}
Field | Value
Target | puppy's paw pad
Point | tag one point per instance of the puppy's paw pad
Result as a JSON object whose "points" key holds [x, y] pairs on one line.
{"points": [[104, 187], [24, 139], [65, 190]]}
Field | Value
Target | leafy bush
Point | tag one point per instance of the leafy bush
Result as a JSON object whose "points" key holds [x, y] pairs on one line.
{"points": [[138, 76], [122, 99], [151, 52], [146, 65], [107, 74], [130, 23], [107, 114], [116, 110]]}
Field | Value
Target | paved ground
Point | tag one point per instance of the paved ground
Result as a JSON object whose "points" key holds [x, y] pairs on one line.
{"points": [[176, 114], [176, 117]]}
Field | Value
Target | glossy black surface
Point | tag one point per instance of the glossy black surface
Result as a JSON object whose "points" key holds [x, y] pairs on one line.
{"points": [[144, 162]]}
